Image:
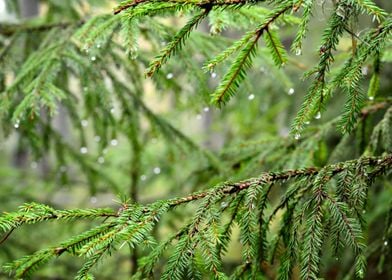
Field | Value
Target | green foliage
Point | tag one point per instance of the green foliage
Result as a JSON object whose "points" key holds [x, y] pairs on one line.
{"points": [[264, 204]]}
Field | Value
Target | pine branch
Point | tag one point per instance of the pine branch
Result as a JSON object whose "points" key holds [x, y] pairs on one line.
{"points": [[177, 42]]}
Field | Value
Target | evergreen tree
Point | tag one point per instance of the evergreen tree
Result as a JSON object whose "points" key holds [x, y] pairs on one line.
{"points": [[190, 127]]}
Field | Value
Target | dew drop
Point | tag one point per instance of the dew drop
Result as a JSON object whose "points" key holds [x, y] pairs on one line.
{"points": [[198, 117], [385, 243], [114, 142], [379, 161], [318, 116], [214, 75], [206, 109], [112, 110], [143, 177], [33, 165], [84, 123], [85, 88], [307, 122], [291, 91], [98, 46], [157, 170], [365, 70], [104, 151], [101, 160], [83, 150], [224, 204], [337, 258], [93, 58], [16, 124], [251, 97], [298, 52], [371, 98], [93, 200], [97, 138], [169, 76], [297, 136]]}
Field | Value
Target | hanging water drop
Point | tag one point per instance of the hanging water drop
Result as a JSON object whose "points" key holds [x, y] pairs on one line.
{"points": [[93, 200], [206, 109], [169, 76], [198, 117], [16, 124], [291, 91], [298, 52], [214, 75], [84, 123], [318, 115], [143, 177], [365, 70], [385, 243], [114, 142], [101, 160], [97, 138], [98, 46], [251, 97], [93, 58], [85, 88], [83, 150], [104, 151], [157, 170], [297, 136], [307, 122], [112, 110], [371, 98], [33, 165]]}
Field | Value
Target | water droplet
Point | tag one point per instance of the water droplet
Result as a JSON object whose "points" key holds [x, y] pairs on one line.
{"points": [[198, 117], [143, 177], [104, 151], [157, 170], [371, 98], [297, 136], [16, 124], [163, 43], [33, 165], [93, 200], [379, 161], [262, 69], [214, 75], [307, 122], [318, 115], [291, 91], [365, 70], [224, 204], [85, 88], [363, 211], [337, 258], [114, 142], [84, 123], [83, 150], [251, 97], [112, 110], [206, 109], [98, 46], [385, 243], [86, 49], [101, 160], [169, 76], [63, 168], [97, 138], [93, 58], [298, 52]]}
